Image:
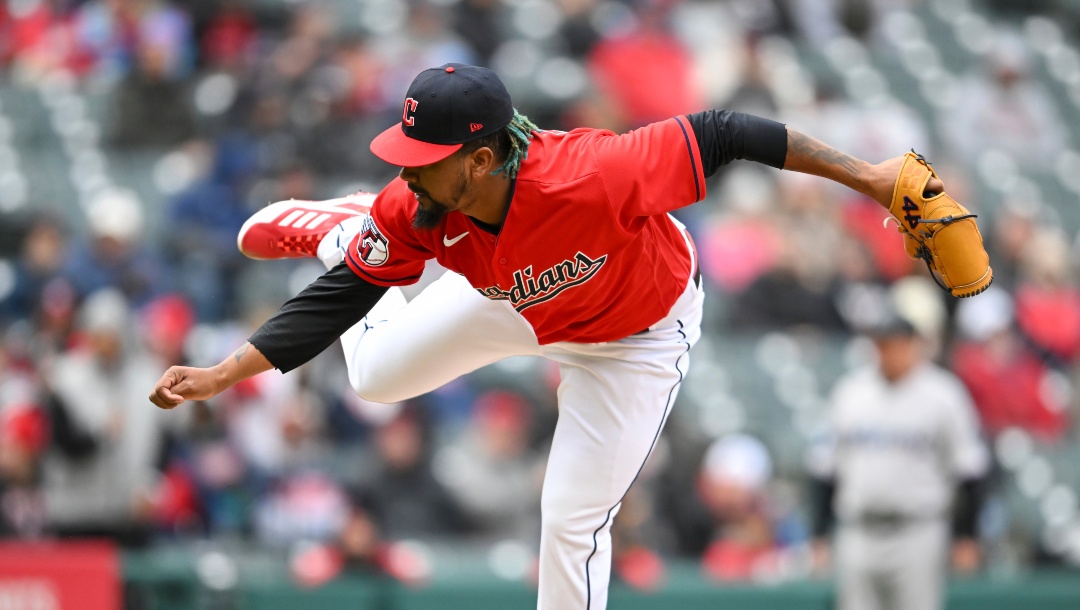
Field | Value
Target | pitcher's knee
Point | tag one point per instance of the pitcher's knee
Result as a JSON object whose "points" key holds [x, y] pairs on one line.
{"points": [[373, 387], [565, 524], [562, 531]]}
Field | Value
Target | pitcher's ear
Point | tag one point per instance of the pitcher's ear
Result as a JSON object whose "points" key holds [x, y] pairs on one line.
{"points": [[483, 161]]}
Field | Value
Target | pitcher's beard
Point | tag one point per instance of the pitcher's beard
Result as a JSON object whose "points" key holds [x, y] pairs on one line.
{"points": [[428, 219]]}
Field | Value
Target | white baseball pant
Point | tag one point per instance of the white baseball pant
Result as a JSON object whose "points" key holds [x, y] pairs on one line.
{"points": [[614, 399]]}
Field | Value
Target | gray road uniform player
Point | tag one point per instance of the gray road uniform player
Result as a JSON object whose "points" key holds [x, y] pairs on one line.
{"points": [[899, 457]]}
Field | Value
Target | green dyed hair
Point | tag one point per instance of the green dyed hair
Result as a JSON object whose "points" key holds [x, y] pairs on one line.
{"points": [[510, 144]]}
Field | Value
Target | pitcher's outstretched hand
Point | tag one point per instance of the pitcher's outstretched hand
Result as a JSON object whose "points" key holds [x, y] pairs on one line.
{"points": [[181, 383]]}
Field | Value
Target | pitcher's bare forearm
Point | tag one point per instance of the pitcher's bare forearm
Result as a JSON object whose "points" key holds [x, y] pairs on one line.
{"points": [[247, 361], [876, 181], [181, 383], [810, 156]]}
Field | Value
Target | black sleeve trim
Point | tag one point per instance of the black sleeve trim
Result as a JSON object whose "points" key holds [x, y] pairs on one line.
{"points": [[969, 499], [693, 164], [309, 322], [822, 493], [724, 135]]}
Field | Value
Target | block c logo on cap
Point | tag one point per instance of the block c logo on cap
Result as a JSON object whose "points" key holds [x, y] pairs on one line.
{"points": [[407, 114]]}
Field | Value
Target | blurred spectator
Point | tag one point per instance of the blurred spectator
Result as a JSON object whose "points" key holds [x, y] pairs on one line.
{"points": [[647, 73], [293, 180], [149, 108], [478, 24], [165, 324], [228, 40], [861, 219], [227, 490], [115, 253], [860, 289], [41, 259], [903, 448], [799, 284], [54, 321], [634, 559], [301, 507], [1047, 298], [109, 36], [175, 505], [579, 25], [203, 222], [360, 540], [1012, 228], [872, 132], [359, 548], [1005, 109], [107, 443], [361, 73], [821, 21], [792, 293], [1010, 385], [24, 435], [426, 40], [753, 94], [285, 96], [32, 37], [364, 549], [638, 535], [741, 241], [353, 94], [732, 484], [492, 471], [274, 422], [403, 488]]}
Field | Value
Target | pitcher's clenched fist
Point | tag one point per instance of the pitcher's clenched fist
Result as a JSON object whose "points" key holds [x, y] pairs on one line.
{"points": [[181, 383]]}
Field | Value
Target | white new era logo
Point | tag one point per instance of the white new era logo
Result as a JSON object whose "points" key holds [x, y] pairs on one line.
{"points": [[299, 218]]}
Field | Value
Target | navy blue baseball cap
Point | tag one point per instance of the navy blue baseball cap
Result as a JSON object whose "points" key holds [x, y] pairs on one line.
{"points": [[891, 324], [444, 108]]}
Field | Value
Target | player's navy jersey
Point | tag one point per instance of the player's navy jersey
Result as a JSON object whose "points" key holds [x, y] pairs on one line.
{"points": [[587, 252]]}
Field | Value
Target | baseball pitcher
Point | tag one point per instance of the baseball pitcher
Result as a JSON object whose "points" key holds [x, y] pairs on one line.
{"points": [[559, 244]]}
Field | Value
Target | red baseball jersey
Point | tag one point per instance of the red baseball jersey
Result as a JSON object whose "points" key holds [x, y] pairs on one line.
{"points": [[587, 252]]}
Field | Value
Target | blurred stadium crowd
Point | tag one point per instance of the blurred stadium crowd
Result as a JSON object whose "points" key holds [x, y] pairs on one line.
{"points": [[136, 136]]}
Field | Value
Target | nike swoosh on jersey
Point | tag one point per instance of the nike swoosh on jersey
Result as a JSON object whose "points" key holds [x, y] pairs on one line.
{"points": [[449, 242]]}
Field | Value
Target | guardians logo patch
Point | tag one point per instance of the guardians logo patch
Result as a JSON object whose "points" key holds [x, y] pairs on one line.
{"points": [[372, 247], [533, 288]]}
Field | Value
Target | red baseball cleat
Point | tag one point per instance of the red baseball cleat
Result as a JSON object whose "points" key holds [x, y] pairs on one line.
{"points": [[293, 229]]}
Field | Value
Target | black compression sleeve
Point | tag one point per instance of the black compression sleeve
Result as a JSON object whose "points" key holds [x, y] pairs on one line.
{"points": [[969, 496], [309, 322], [724, 136], [822, 493]]}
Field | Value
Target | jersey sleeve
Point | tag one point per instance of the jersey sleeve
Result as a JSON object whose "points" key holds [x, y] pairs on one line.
{"points": [[309, 322], [822, 451], [652, 170], [967, 454], [387, 250]]}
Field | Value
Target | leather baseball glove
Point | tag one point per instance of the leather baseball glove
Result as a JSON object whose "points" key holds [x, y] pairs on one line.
{"points": [[939, 231]]}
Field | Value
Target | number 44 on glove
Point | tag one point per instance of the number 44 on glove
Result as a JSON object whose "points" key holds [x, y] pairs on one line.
{"points": [[939, 231]]}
